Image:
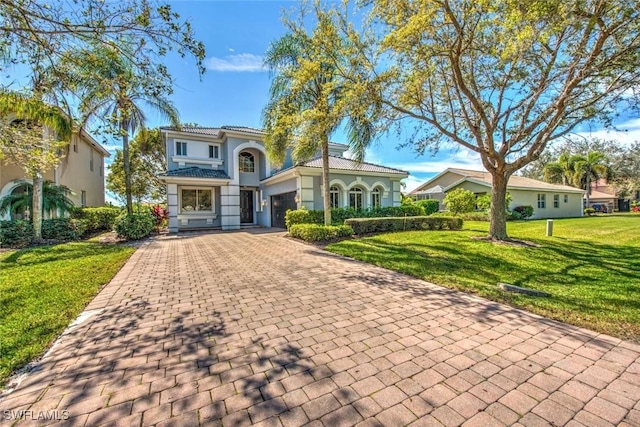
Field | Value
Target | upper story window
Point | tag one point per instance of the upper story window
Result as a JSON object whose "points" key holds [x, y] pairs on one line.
{"points": [[334, 193], [542, 201], [75, 144], [375, 198], [91, 159], [214, 152], [246, 162], [181, 148], [355, 198]]}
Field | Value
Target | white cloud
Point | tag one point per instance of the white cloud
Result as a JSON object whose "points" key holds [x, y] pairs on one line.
{"points": [[462, 159], [231, 49], [241, 62], [629, 132]]}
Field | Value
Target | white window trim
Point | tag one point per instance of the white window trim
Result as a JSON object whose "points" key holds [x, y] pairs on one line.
{"points": [[194, 214], [363, 195], [542, 198], [219, 151], [253, 161], [556, 201], [176, 142]]}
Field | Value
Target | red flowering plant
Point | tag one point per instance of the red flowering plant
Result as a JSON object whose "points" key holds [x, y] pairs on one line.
{"points": [[635, 207], [160, 216]]}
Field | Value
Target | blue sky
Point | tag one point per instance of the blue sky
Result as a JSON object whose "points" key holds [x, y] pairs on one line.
{"points": [[235, 88]]}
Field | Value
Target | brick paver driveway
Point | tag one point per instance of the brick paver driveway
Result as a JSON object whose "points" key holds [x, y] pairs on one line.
{"points": [[241, 328]]}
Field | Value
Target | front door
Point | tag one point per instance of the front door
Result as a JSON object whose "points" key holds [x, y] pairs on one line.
{"points": [[246, 206]]}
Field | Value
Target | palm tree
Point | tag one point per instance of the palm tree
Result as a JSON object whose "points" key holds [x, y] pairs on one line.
{"points": [[560, 171], [55, 199], [308, 98], [590, 168], [110, 90]]}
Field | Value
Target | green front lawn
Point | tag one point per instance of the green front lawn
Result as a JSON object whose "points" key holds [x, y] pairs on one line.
{"points": [[591, 266], [43, 289]]}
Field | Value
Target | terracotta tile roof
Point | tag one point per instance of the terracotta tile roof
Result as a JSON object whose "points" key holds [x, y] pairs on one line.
{"points": [[196, 172], [342, 163], [244, 129], [215, 132], [514, 181]]}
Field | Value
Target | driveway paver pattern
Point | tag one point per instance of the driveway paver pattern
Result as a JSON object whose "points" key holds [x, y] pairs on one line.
{"points": [[250, 327]]}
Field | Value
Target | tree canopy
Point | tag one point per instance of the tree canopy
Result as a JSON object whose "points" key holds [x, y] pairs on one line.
{"points": [[501, 78], [37, 32]]}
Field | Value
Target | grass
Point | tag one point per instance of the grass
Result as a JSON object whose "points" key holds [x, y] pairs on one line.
{"points": [[43, 289], [591, 267]]}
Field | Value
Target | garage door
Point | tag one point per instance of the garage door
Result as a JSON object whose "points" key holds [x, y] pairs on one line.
{"points": [[280, 203]]}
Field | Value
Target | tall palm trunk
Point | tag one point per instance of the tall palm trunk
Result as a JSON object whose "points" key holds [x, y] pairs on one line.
{"points": [[36, 214], [325, 180], [127, 167], [588, 186]]}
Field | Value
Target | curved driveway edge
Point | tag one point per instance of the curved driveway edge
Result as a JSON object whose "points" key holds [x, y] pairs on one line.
{"points": [[248, 328]]}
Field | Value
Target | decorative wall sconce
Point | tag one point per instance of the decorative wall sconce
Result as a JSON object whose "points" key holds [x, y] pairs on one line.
{"points": [[264, 202], [297, 198]]}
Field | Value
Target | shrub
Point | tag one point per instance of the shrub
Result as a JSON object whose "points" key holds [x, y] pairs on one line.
{"points": [[524, 211], [381, 225], [475, 216], [483, 202], [430, 206], [589, 211], [63, 229], [460, 201], [134, 226], [160, 216], [15, 234], [338, 216], [319, 233], [514, 216], [98, 219], [297, 216]]}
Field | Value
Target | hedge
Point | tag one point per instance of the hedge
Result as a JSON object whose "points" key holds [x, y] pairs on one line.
{"points": [[97, 219], [15, 233], [380, 225], [134, 226], [338, 216], [319, 233], [430, 206], [63, 229]]}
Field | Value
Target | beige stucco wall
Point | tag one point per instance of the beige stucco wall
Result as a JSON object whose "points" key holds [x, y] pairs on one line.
{"points": [[572, 208], [73, 171], [445, 180]]}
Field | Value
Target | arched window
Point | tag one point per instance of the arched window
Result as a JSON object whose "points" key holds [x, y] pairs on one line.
{"points": [[355, 198], [246, 162], [376, 195], [334, 193]]}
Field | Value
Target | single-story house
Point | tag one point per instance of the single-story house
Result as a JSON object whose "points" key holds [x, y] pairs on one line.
{"points": [[222, 178], [548, 200], [602, 198]]}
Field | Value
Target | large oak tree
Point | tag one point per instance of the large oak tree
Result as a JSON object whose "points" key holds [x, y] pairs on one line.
{"points": [[501, 78]]}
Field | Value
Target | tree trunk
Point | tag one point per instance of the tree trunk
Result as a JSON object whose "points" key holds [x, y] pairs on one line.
{"points": [[36, 215], [325, 180], [588, 187], [127, 170], [498, 211]]}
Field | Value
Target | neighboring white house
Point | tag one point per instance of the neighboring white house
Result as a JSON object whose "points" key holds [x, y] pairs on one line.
{"points": [[548, 200], [221, 177]]}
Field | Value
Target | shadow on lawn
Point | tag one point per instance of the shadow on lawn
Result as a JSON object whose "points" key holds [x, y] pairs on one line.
{"points": [[54, 253]]}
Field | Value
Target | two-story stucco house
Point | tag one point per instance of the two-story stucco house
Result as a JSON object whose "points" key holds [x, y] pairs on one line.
{"points": [[222, 178], [81, 170]]}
